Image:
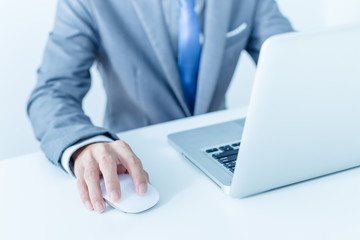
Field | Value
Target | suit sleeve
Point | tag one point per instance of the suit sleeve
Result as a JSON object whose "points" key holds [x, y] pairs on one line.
{"points": [[267, 21], [63, 79]]}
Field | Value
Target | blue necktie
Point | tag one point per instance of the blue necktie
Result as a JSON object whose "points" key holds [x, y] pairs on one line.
{"points": [[189, 50]]}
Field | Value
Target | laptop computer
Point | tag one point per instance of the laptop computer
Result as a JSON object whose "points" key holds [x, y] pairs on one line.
{"points": [[303, 119]]}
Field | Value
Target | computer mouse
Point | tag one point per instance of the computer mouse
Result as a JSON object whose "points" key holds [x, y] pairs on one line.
{"points": [[131, 201]]}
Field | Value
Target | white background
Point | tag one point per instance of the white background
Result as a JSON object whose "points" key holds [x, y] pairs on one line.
{"points": [[24, 26]]}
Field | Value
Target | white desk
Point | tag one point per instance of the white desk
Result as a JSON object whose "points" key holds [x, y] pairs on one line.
{"points": [[39, 201]]}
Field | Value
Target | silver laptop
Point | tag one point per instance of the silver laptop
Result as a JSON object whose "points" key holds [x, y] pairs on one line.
{"points": [[303, 120]]}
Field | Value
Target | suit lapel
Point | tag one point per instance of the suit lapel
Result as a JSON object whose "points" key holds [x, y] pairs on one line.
{"points": [[151, 17], [215, 27]]}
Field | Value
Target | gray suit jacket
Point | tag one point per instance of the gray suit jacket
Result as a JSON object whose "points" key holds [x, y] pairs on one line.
{"points": [[130, 42]]}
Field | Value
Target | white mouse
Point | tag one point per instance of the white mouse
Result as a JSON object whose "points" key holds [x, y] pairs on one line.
{"points": [[130, 201]]}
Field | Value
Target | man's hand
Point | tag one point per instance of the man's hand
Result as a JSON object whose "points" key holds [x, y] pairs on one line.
{"points": [[107, 160]]}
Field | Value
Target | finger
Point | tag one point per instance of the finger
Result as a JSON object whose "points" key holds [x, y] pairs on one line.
{"points": [[133, 165], [92, 180], [84, 193], [108, 168], [147, 176], [81, 185]]}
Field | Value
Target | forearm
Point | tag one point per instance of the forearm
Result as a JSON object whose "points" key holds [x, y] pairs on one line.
{"points": [[55, 105], [268, 21], [59, 124]]}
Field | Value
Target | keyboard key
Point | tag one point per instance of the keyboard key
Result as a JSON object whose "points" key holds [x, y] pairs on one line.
{"points": [[228, 159], [226, 148], [232, 170], [235, 144], [225, 154], [211, 150], [230, 164]]}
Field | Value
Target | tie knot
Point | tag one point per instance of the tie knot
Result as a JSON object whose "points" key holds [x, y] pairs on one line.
{"points": [[187, 3]]}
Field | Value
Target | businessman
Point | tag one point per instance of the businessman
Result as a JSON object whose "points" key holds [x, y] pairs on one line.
{"points": [[160, 60]]}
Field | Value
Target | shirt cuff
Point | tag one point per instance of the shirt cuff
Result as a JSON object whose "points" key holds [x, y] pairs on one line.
{"points": [[66, 156]]}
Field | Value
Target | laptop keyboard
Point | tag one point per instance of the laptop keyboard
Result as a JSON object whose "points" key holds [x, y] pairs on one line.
{"points": [[226, 155]]}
